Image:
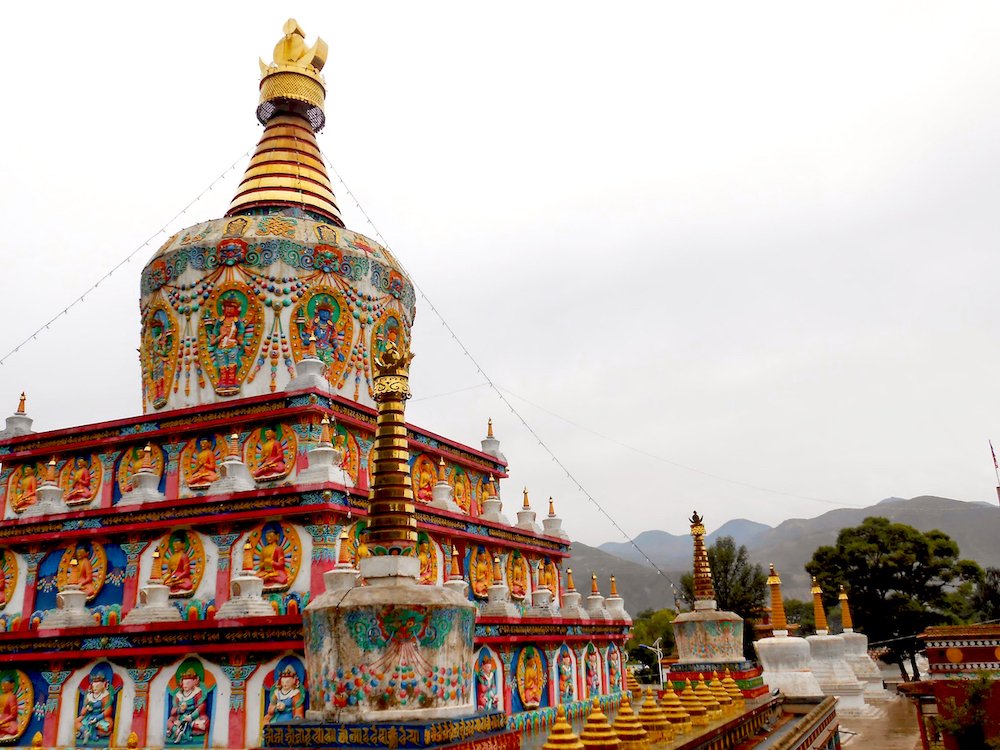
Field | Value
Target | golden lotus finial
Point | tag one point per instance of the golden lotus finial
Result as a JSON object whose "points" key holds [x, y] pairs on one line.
{"points": [[293, 83], [291, 48]]}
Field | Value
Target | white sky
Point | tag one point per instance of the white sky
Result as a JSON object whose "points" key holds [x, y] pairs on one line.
{"points": [[754, 239]]}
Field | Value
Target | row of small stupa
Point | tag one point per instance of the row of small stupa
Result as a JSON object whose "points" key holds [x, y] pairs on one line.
{"points": [[820, 664]]}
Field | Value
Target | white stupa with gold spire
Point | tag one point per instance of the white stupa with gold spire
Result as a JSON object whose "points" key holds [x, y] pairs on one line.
{"points": [[785, 658], [827, 662]]}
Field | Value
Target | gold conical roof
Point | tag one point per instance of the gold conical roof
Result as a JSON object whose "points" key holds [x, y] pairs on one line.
{"points": [[287, 169], [561, 737], [674, 711], [733, 689], [720, 694], [693, 706], [597, 734], [628, 727], [653, 720], [704, 695]]}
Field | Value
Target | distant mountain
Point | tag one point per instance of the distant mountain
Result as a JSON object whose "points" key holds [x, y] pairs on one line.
{"points": [[790, 545]]}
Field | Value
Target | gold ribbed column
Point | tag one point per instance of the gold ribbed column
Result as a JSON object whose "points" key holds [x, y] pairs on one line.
{"points": [[778, 619], [818, 612], [703, 588], [845, 610], [392, 522]]}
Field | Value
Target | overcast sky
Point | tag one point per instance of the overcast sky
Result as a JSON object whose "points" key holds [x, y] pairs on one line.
{"points": [[703, 246]]}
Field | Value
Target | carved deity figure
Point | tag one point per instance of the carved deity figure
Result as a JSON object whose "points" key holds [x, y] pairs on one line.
{"points": [[204, 469], [271, 565], [425, 482], [188, 719], [272, 456], [287, 700], [614, 670], [161, 346], [226, 341], [84, 575], [80, 490], [593, 672], [517, 577], [481, 573], [26, 489], [565, 677], [8, 706], [532, 678], [428, 562], [178, 577], [96, 718], [321, 333], [487, 696]]}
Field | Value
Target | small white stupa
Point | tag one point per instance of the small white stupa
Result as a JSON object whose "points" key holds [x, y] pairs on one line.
{"points": [[785, 658], [827, 662], [856, 655], [18, 423], [154, 600]]}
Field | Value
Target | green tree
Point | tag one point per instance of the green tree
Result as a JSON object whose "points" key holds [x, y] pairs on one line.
{"points": [[798, 612], [900, 581], [739, 586], [646, 628], [985, 599]]}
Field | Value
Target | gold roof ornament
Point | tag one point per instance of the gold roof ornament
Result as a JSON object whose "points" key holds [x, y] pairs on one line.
{"points": [[778, 619], [845, 610], [20, 404], [703, 588], [287, 169], [569, 580], [527, 505], [489, 428], [325, 438], [441, 472], [552, 508], [820, 614]]}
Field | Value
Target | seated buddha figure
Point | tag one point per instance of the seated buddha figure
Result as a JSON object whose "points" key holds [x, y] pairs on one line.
{"points": [[8, 706], [481, 573], [84, 575], [271, 563], [203, 471], [518, 578], [26, 489], [79, 483], [178, 576], [272, 457]]}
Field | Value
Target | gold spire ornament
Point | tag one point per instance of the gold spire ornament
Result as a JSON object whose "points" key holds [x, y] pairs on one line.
{"points": [[614, 587], [708, 700], [287, 169], [156, 572], [50, 472], [593, 585], [569, 580], [693, 706], [247, 557], [344, 553], [561, 737], [234, 445], [489, 428], [778, 619], [147, 457], [719, 693], [392, 520], [325, 437], [441, 475], [497, 571], [456, 571], [845, 611], [20, 404], [674, 711], [526, 505], [703, 589], [818, 612], [552, 508]]}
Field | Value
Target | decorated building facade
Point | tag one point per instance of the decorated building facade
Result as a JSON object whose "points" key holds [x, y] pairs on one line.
{"points": [[154, 569]]}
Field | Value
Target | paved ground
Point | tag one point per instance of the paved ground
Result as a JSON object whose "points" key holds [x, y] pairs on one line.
{"points": [[896, 729]]}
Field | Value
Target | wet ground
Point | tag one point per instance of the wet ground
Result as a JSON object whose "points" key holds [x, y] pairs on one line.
{"points": [[895, 729]]}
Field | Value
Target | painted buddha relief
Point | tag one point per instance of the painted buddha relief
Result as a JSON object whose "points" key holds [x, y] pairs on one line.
{"points": [[270, 452], [592, 671], [517, 575], [548, 576], [97, 707], [462, 487], [567, 675], [229, 337], [200, 460], [22, 486], [277, 554], [8, 577], [182, 562], [17, 700], [347, 444], [530, 677], [190, 700], [487, 691], [480, 567], [131, 462], [423, 475], [159, 354], [357, 549], [285, 696], [80, 479], [614, 669], [427, 554], [322, 327], [90, 570]]}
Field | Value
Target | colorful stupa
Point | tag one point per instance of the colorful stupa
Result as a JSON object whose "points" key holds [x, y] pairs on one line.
{"points": [[154, 570]]}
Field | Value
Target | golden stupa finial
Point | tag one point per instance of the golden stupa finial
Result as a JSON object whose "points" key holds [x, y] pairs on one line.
{"points": [[778, 619], [325, 438], [247, 556], [294, 78], [50, 471], [456, 571], [147, 456], [845, 610], [37, 740], [489, 428], [552, 508], [234, 445], [441, 473], [570, 586], [156, 572], [703, 588], [497, 574], [20, 404], [344, 553], [818, 612], [614, 586], [593, 585], [491, 487], [526, 505]]}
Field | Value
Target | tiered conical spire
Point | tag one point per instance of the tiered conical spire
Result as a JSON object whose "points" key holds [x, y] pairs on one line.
{"points": [[287, 168], [845, 612], [674, 711], [561, 737], [693, 706], [628, 727], [632, 685], [818, 612], [654, 721], [720, 694], [704, 695], [778, 619], [733, 689], [597, 734], [704, 591]]}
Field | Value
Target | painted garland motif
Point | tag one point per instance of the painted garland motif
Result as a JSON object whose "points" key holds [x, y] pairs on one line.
{"points": [[229, 336], [8, 577], [22, 486], [270, 452], [17, 702], [423, 475], [131, 461], [182, 562], [277, 554], [80, 479], [91, 568], [159, 353], [200, 460], [322, 327], [531, 677]]}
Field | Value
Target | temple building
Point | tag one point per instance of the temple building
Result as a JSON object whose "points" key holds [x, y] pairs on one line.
{"points": [[154, 570]]}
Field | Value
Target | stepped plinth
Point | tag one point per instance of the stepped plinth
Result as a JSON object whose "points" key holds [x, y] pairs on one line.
{"points": [[245, 593], [443, 494], [324, 461], [310, 372], [234, 475], [71, 610]]}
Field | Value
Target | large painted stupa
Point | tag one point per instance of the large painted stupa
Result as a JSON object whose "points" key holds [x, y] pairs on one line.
{"points": [[154, 570]]}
